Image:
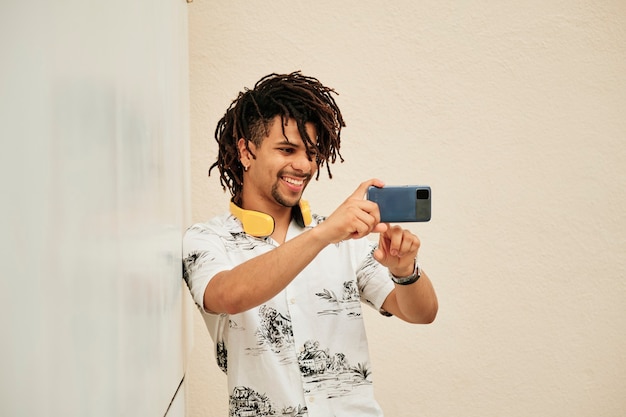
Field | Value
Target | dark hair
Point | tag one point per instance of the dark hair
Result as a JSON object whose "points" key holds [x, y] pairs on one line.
{"points": [[249, 116]]}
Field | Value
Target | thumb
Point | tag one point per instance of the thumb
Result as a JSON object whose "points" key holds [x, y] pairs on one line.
{"points": [[362, 188], [379, 255], [380, 252], [380, 228]]}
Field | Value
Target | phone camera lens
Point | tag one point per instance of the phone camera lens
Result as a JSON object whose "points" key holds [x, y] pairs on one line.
{"points": [[423, 194]]}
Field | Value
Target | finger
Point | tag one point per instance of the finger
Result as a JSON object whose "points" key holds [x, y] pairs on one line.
{"points": [[381, 228], [362, 188], [395, 241], [409, 246], [380, 254], [368, 208], [360, 229], [356, 222], [402, 242]]}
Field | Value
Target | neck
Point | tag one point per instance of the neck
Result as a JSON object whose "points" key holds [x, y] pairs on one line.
{"points": [[268, 205]]}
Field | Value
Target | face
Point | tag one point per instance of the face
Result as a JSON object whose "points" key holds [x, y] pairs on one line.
{"points": [[282, 169]]}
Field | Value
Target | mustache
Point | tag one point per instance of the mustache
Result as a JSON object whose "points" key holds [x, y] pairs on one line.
{"points": [[305, 177]]}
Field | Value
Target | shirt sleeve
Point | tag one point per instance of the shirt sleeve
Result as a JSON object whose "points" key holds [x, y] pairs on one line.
{"points": [[204, 256], [372, 277]]}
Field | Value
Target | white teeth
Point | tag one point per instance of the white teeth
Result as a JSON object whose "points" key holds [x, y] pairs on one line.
{"points": [[294, 182]]}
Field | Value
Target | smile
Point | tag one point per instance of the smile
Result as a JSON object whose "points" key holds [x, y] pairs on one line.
{"points": [[294, 181]]}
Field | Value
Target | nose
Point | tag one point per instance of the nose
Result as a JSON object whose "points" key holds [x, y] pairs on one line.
{"points": [[302, 163]]}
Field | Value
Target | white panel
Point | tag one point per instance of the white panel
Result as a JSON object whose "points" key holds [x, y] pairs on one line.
{"points": [[93, 121]]}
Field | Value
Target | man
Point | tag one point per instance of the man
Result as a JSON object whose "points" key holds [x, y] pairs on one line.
{"points": [[280, 288]]}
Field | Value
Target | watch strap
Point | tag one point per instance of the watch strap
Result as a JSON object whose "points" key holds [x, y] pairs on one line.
{"points": [[410, 279]]}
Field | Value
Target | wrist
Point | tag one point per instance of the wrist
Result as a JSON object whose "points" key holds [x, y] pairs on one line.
{"points": [[320, 236], [407, 279], [403, 272]]}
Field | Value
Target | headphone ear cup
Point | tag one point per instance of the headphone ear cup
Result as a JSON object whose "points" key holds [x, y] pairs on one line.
{"points": [[305, 209], [254, 223], [257, 224], [260, 224]]}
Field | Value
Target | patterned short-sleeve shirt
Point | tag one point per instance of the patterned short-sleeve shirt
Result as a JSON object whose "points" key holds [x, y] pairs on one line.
{"points": [[304, 352]]}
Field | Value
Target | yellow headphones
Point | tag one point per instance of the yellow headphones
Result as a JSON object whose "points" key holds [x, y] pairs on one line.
{"points": [[260, 224]]}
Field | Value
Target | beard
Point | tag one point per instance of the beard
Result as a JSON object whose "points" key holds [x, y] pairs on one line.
{"points": [[284, 200]]}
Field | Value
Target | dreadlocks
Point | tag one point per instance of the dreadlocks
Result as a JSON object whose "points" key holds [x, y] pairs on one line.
{"points": [[249, 116]]}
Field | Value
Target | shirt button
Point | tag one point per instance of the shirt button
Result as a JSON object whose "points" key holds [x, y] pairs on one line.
{"points": [[311, 399], [292, 301]]}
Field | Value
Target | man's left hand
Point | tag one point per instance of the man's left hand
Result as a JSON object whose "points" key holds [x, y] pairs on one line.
{"points": [[397, 250]]}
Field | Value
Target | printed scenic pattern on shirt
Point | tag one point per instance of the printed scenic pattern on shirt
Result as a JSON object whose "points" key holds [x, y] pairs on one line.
{"points": [[275, 333], [367, 271], [349, 301], [324, 372], [193, 262], [330, 374], [236, 239], [246, 402], [221, 356], [221, 351], [241, 241]]}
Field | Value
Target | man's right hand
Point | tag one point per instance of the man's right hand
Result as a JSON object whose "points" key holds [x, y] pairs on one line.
{"points": [[355, 218]]}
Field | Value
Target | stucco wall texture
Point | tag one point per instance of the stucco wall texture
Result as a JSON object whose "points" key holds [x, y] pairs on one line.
{"points": [[515, 114]]}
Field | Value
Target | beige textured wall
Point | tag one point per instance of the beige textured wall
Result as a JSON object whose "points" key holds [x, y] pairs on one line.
{"points": [[515, 114]]}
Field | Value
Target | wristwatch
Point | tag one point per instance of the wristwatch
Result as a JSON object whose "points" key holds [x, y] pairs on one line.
{"points": [[410, 279]]}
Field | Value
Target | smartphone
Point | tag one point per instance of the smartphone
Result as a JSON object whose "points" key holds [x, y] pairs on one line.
{"points": [[404, 203]]}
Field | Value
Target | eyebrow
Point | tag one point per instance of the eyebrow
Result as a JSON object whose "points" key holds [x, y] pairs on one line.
{"points": [[286, 141]]}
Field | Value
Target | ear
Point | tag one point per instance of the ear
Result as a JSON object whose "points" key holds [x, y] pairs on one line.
{"points": [[244, 154]]}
